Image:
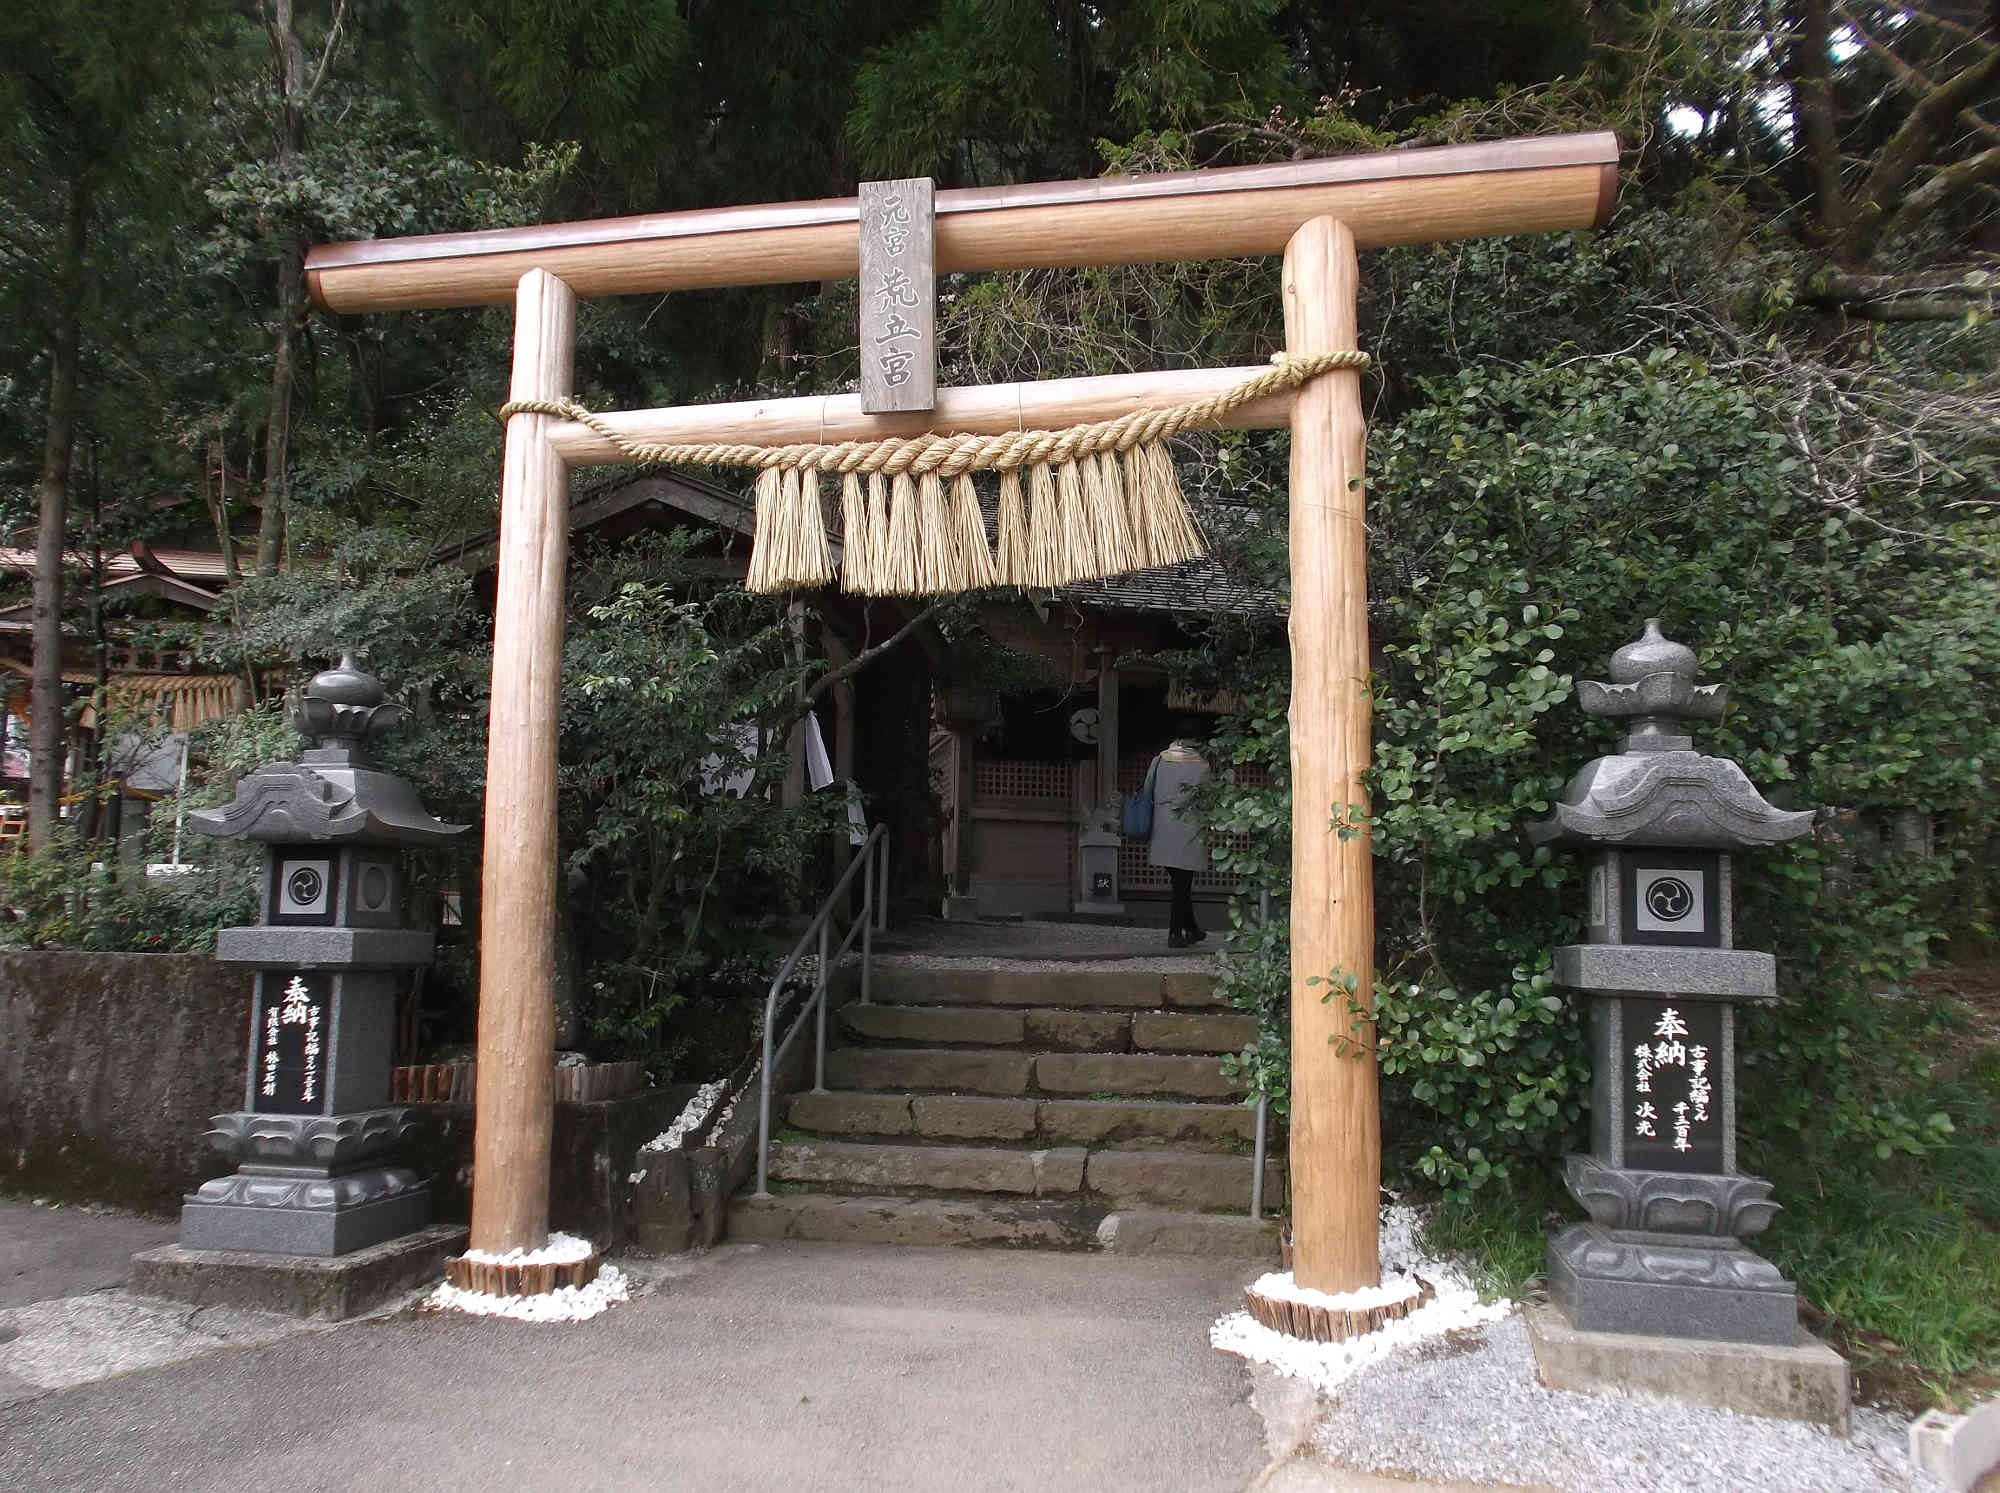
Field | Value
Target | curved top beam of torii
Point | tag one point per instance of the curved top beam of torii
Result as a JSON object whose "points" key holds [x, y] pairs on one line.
{"points": [[1316, 213], [1534, 185]]}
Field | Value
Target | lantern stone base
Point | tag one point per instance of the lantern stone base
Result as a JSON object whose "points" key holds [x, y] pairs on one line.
{"points": [[327, 1290], [1670, 1285], [304, 1211], [1802, 1379]]}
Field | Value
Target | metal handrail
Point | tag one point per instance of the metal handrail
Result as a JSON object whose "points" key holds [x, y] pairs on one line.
{"points": [[872, 905], [1263, 1103]]}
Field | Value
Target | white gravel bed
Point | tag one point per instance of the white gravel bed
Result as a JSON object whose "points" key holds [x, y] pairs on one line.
{"points": [[565, 1304], [688, 1120], [1470, 1409], [1280, 1285], [559, 1249]]}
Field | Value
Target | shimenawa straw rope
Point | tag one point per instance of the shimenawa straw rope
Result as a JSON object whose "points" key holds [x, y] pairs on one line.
{"points": [[1098, 500]]}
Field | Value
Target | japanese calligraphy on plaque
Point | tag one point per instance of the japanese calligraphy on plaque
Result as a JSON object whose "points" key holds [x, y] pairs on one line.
{"points": [[294, 1031], [898, 296], [1674, 1107]]}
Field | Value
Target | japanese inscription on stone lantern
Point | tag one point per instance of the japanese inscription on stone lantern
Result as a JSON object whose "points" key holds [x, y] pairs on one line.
{"points": [[294, 1027], [1675, 1057], [898, 296]]}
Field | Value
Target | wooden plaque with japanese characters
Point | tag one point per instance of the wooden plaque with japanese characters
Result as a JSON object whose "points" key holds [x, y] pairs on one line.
{"points": [[898, 296]]}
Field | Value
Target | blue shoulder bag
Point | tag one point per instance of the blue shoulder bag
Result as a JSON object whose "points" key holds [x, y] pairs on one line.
{"points": [[1139, 807]]}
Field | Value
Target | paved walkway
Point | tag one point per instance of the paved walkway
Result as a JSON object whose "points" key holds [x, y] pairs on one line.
{"points": [[751, 1367]]}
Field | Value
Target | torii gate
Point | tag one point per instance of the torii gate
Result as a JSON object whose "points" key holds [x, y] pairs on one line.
{"points": [[1317, 213]]}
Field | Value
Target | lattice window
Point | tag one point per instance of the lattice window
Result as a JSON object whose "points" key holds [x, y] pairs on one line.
{"points": [[1039, 781], [1135, 874]]}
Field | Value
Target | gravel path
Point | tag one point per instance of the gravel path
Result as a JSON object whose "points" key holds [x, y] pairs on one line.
{"points": [[1470, 1409]]}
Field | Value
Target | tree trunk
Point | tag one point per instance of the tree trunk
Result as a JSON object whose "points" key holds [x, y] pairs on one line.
{"points": [[293, 94], [91, 810], [1808, 63], [48, 739]]}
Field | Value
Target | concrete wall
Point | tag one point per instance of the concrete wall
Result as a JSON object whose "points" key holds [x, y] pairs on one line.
{"points": [[110, 1065], [591, 1158]]}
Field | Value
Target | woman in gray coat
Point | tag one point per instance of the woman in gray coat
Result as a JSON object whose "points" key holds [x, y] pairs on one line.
{"points": [[1176, 843]]}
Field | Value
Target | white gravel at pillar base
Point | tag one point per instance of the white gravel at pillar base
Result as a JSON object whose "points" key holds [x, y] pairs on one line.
{"points": [[1325, 1366], [561, 1249], [566, 1304]]}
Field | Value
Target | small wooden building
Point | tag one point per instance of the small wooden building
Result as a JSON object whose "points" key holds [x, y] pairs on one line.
{"points": [[1030, 782]]}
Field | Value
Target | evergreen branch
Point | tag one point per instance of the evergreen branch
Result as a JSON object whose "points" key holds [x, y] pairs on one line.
{"points": [[1915, 81], [1904, 153], [864, 658], [1956, 177]]}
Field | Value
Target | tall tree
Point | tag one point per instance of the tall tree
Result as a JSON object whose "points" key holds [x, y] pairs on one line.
{"points": [[295, 84], [78, 78]]}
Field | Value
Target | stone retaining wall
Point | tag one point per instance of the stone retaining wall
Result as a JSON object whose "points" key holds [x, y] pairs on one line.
{"points": [[110, 1065]]}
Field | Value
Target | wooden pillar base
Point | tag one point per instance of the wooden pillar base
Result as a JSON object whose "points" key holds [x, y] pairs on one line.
{"points": [[1332, 1323], [494, 1279]]}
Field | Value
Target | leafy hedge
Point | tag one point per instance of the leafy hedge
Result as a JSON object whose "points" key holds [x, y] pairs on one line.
{"points": [[1524, 520]]}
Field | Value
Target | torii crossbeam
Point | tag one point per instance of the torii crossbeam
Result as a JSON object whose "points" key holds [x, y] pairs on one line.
{"points": [[1317, 213]]}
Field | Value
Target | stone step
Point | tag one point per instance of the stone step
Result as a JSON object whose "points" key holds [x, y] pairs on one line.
{"points": [[1195, 1182], [953, 985], [857, 1166], [1024, 1223], [1115, 1074], [1052, 1030], [1131, 1123]]}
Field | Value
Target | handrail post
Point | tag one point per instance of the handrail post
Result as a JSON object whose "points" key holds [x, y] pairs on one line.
{"points": [[819, 1053], [1259, 1152], [820, 927], [1257, 1162], [867, 921], [764, 1105]]}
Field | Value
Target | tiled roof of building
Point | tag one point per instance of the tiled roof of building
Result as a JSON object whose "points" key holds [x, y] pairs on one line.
{"points": [[188, 564], [1195, 586]]}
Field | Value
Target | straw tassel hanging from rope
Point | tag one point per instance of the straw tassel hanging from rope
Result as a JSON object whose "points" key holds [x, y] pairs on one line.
{"points": [[1078, 504]]}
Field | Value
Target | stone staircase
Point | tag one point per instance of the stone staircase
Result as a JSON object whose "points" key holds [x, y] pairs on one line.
{"points": [[1079, 1108]]}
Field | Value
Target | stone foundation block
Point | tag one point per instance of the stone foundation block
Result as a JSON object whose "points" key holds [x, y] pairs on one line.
{"points": [[1957, 1450], [330, 1290], [1670, 1285], [1800, 1380]]}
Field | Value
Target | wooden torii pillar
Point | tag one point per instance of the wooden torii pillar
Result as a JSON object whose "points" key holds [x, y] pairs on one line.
{"points": [[1317, 213]]}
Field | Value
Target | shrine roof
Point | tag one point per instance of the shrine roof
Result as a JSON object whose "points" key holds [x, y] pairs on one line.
{"points": [[1204, 585]]}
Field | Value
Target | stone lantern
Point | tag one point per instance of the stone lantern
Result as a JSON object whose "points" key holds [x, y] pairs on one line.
{"points": [[1662, 1254], [331, 951]]}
